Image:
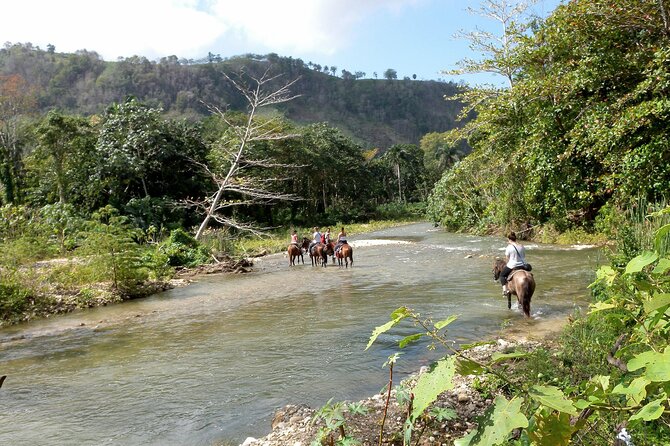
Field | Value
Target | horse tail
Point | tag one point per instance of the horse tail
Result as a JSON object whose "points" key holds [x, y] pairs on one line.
{"points": [[528, 286]]}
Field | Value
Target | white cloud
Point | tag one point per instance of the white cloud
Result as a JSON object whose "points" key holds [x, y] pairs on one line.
{"points": [[189, 28]]}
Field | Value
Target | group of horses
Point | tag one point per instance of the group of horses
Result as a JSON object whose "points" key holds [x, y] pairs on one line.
{"points": [[521, 283], [320, 252]]}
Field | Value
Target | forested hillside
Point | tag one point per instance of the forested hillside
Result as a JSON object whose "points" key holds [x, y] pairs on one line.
{"points": [[375, 112]]}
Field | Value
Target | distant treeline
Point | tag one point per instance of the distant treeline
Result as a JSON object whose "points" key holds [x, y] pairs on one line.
{"points": [[377, 113]]}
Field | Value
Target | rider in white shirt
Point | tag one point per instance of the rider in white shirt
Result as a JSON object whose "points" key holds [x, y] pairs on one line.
{"points": [[516, 258], [316, 239]]}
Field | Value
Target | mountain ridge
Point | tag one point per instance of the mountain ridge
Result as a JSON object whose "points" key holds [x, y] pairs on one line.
{"points": [[378, 113]]}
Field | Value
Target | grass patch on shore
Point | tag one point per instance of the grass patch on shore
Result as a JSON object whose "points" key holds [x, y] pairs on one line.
{"points": [[277, 240]]}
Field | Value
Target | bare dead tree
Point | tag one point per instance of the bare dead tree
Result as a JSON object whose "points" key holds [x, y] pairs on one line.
{"points": [[234, 180], [496, 48]]}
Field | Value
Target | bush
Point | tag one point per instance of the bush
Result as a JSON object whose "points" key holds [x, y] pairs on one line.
{"points": [[182, 249], [13, 299], [401, 211]]}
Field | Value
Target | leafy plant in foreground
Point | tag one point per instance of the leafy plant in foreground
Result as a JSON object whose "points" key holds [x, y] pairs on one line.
{"points": [[332, 415], [541, 414]]}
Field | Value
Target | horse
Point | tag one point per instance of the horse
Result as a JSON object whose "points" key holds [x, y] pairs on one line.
{"points": [[520, 283], [295, 252], [330, 250], [319, 253], [346, 252]]}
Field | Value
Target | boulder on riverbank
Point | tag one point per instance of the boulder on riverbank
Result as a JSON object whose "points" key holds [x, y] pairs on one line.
{"points": [[294, 426]]}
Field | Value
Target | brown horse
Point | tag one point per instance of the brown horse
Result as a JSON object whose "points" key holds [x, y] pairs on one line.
{"points": [[318, 253], [295, 252], [330, 250], [520, 283], [346, 252]]}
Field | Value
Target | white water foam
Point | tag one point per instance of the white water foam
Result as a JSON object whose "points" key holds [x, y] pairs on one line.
{"points": [[378, 242]]}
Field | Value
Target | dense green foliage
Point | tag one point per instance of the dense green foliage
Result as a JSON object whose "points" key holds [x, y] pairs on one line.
{"points": [[377, 113], [610, 370], [581, 127]]}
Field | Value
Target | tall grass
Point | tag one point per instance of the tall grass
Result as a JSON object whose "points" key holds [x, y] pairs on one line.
{"points": [[635, 230]]}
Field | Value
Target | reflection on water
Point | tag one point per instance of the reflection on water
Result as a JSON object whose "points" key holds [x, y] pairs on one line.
{"points": [[212, 361]]}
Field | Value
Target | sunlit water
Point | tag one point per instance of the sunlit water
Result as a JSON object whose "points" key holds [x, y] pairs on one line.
{"points": [[211, 362]]}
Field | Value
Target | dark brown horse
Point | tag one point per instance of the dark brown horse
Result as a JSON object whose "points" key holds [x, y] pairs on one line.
{"points": [[319, 253], [330, 250], [346, 252], [295, 252], [520, 283]]}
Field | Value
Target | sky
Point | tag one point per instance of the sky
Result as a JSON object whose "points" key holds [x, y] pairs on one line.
{"points": [[413, 37]]}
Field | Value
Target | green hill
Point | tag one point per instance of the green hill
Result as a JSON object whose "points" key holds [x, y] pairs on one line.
{"points": [[375, 112]]}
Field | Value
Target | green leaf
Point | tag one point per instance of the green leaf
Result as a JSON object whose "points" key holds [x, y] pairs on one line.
{"points": [[431, 384], [600, 306], [605, 274], [443, 323], [651, 411], [602, 381], [636, 391], [409, 339], [552, 429], [657, 364], [500, 357], [661, 234], [398, 315], [498, 422], [658, 301], [638, 263], [467, 367], [582, 404], [552, 397], [662, 267]]}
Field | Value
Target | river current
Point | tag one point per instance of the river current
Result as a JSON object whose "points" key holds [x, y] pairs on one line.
{"points": [[210, 363]]}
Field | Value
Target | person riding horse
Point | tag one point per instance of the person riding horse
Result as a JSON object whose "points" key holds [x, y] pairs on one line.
{"points": [[315, 240], [294, 249], [341, 240], [515, 255]]}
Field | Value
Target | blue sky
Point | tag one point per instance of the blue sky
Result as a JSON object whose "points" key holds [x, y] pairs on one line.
{"points": [[410, 36]]}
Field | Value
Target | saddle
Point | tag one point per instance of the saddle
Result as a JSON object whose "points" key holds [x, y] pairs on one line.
{"points": [[514, 271]]}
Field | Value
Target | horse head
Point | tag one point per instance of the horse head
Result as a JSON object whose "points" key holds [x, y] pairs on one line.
{"points": [[498, 266]]}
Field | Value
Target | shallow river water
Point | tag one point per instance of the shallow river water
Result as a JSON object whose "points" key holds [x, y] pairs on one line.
{"points": [[210, 363]]}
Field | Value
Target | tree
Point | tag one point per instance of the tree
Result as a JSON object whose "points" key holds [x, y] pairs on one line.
{"points": [[16, 100], [58, 137], [497, 49], [234, 149], [144, 155], [439, 153], [406, 158], [390, 74]]}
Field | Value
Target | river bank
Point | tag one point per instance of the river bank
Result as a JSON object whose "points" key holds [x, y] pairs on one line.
{"points": [[299, 425], [47, 290]]}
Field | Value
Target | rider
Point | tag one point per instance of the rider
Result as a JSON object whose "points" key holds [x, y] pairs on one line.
{"points": [[316, 239], [341, 240], [515, 254], [294, 238], [326, 236]]}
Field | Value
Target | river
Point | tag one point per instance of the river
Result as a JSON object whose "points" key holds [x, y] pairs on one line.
{"points": [[210, 363]]}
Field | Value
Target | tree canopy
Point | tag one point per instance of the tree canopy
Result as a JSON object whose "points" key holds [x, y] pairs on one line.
{"points": [[580, 128]]}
